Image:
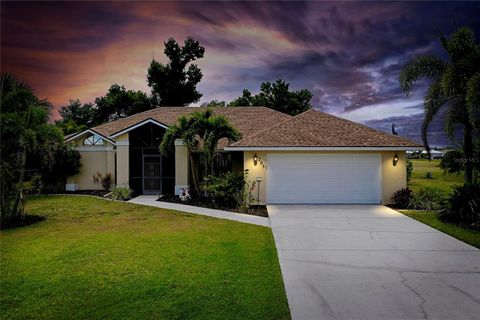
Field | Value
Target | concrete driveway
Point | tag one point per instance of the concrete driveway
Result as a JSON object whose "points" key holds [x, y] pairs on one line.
{"points": [[371, 262]]}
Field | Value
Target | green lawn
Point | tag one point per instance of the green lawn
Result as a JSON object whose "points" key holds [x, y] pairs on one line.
{"points": [[95, 259], [441, 182], [430, 218]]}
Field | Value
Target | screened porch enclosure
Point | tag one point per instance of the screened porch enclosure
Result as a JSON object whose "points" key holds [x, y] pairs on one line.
{"points": [[150, 172]]}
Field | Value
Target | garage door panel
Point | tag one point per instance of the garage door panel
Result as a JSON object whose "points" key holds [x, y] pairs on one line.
{"points": [[323, 178]]}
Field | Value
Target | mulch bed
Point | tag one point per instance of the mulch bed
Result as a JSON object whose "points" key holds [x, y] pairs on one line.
{"points": [[253, 210]]}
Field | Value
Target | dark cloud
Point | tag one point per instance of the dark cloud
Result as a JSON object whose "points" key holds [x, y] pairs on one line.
{"points": [[349, 54]]}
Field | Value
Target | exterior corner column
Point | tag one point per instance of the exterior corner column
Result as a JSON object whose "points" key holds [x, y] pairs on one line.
{"points": [[181, 166], [123, 160]]}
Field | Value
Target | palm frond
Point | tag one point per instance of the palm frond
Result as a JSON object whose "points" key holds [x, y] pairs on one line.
{"points": [[434, 101], [427, 66]]}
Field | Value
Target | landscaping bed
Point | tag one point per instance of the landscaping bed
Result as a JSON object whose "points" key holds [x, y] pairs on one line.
{"points": [[95, 259], [255, 210]]}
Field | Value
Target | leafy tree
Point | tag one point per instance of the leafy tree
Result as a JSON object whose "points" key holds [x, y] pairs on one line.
{"points": [[25, 133], [277, 96], [76, 117], [213, 104], [173, 84], [454, 86], [78, 113], [120, 103]]}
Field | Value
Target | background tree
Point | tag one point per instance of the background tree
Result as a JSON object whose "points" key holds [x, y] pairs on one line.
{"points": [[76, 117], [25, 132], [214, 104], [453, 83], [277, 96], [173, 84], [120, 103]]}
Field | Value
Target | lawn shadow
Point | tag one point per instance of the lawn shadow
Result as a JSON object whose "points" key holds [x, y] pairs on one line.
{"points": [[17, 223]]}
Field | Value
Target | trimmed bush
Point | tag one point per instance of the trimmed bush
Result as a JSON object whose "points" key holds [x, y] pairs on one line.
{"points": [[464, 206], [122, 193], [401, 198], [425, 199]]}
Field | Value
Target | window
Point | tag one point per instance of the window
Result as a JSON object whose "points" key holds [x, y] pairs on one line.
{"points": [[93, 140]]}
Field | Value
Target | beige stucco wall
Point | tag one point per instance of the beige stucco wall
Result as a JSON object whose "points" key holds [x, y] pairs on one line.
{"points": [[181, 166], [94, 159], [393, 177], [123, 160]]}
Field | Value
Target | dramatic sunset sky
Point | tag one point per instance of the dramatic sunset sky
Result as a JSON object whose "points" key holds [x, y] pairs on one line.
{"points": [[349, 54]]}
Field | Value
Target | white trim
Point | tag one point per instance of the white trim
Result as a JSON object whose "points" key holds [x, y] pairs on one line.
{"points": [[123, 143], [94, 149], [321, 148], [149, 120], [71, 187], [179, 142], [89, 131]]}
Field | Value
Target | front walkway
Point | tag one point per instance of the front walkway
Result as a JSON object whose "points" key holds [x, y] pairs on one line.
{"points": [[371, 262], [245, 218]]}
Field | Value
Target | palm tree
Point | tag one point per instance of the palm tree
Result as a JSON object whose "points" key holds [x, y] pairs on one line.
{"points": [[200, 126], [455, 86], [212, 129], [186, 130]]}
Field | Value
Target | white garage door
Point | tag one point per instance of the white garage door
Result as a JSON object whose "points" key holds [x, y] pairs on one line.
{"points": [[323, 178]]}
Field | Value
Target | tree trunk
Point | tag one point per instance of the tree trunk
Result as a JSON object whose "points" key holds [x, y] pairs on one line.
{"points": [[17, 206], [194, 173], [468, 153]]}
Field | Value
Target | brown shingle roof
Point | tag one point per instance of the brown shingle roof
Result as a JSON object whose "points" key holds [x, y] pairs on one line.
{"points": [[317, 129], [248, 120]]}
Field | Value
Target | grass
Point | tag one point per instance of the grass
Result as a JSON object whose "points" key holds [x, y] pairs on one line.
{"points": [[430, 218], [443, 183], [95, 259]]}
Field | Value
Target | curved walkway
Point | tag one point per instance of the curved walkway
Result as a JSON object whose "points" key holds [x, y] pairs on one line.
{"points": [[245, 218]]}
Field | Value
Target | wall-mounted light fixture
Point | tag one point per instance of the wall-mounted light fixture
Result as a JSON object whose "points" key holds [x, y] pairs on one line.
{"points": [[255, 159], [395, 159]]}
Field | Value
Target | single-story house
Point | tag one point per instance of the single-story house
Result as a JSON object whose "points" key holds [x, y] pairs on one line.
{"points": [[313, 157]]}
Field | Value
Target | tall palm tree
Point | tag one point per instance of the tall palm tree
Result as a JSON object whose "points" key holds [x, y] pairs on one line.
{"points": [[455, 86]]}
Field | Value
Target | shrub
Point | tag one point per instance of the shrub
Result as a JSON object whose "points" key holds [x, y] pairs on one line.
{"points": [[463, 207], [425, 199], [104, 180], [244, 197], [401, 198], [122, 193], [428, 175], [409, 169], [223, 189]]}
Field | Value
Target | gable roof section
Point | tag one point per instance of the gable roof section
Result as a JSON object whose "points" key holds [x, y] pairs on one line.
{"points": [[248, 120], [317, 129]]}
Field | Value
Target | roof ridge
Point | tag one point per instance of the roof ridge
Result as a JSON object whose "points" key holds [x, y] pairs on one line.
{"points": [[363, 125], [272, 127]]}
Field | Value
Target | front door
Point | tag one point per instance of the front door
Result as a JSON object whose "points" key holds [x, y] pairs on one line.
{"points": [[152, 174]]}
